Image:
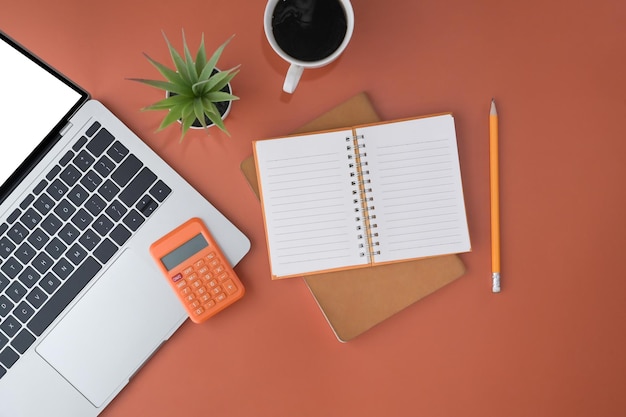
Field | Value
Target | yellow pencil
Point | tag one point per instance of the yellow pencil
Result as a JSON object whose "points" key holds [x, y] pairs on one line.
{"points": [[495, 197]]}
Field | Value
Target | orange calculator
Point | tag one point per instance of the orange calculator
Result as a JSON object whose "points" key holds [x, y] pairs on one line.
{"points": [[197, 270]]}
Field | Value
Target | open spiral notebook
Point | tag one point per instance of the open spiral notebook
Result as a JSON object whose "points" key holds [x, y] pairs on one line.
{"points": [[365, 195], [355, 300]]}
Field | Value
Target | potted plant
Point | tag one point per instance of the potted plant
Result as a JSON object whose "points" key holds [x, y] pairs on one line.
{"points": [[198, 94]]}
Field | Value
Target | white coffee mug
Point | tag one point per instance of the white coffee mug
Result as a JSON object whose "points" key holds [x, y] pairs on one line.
{"points": [[306, 35]]}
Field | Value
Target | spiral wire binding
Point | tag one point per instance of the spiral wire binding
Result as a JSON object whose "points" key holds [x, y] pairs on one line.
{"points": [[364, 202]]}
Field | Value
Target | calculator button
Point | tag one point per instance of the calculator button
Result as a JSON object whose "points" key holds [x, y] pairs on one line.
{"points": [[186, 291], [221, 297], [188, 270], [181, 284], [212, 283], [216, 290], [196, 284], [199, 311], [199, 263], [209, 304], [230, 287], [203, 270], [223, 277], [177, 277]]}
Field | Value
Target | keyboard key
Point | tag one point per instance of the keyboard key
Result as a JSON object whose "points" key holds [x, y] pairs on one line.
{"points": [[17, 233], [40, 187], [11, 267], [68, 234], [91, 180], [6, 247], [116, 210], [89, 239], [83, 160], [23, 312], [126, 170], [133, 220], [53, 172], [70, 175], [120, 234], [105, 251], [30, 218], [76, 254], [78, 195], [92, 129], [50, 283], [25, 253], [62, 268], [137, 187], [66, 158], [57, 189], [51, 224], [13, 216], [36, 297], [160, 191], [42, 262], [3, 228], [44, 204], [117, 152], [64, 210], [29, 277], [10, 326], [26, 202], [8, 357], [55, 248], [74, 284], [104, 166], [95, 204], [146, 205], [100, 142], [108, 190], [82, 219], [103, 225], [6, 306], [79, 143], [23, 341], [38, 238]]}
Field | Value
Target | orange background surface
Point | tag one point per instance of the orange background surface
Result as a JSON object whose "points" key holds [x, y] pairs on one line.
{"points": [[551, 344]]}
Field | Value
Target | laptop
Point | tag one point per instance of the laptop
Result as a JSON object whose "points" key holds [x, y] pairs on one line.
{"points": [[82, 303]]}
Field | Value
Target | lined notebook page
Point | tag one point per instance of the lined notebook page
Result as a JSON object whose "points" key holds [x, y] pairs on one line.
{"points": [[417, 190], [308, 203]]}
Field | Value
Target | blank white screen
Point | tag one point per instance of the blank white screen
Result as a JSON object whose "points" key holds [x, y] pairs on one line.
{"points": [[32, 102]]}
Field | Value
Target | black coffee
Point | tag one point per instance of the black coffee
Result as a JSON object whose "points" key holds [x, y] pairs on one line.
{"points": [[309, 30]]}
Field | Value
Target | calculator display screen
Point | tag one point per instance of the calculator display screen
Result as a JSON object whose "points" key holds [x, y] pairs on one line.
{"points": [[184, 251]]}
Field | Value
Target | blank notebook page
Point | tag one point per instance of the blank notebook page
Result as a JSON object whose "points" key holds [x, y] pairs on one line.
{"points": [[308, 203], [416, 188]]}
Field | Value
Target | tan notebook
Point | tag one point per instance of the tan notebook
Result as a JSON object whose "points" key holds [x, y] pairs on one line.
{"points": [[355, 300]]}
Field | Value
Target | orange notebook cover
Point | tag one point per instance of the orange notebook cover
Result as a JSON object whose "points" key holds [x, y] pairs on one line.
{"points": [[354, 301], [355, 197]]}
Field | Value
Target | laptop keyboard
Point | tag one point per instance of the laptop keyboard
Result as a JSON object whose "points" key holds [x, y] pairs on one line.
{"points": [[70, 225]]}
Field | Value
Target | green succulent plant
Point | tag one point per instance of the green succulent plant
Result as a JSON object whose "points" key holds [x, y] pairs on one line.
{"points": [[194, 87]]}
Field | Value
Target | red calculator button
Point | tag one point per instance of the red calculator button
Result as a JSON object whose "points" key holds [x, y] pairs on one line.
{"points": [[177, 277]]}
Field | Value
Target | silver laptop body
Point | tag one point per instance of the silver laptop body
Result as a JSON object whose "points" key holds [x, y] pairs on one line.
{"points": [[60, 230]]}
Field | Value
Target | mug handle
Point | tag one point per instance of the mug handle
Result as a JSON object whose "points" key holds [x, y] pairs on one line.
{"points": [[292, 78]]}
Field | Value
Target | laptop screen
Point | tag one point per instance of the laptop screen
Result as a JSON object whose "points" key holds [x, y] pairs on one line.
{"points": [[35, 102]]}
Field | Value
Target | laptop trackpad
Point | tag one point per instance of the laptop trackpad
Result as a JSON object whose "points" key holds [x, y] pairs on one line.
{"points": [[117, 324]]}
